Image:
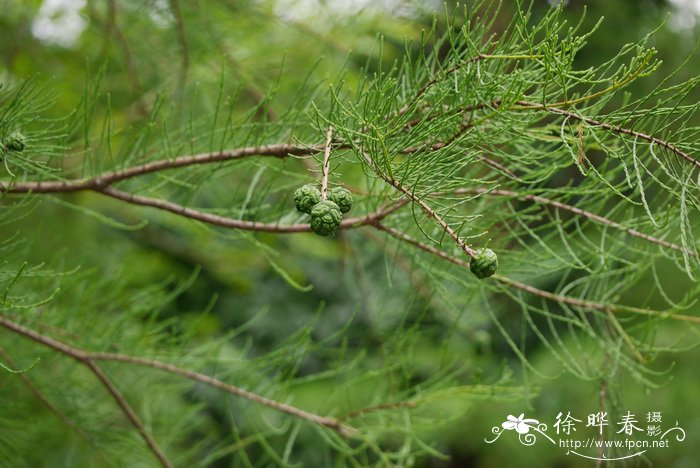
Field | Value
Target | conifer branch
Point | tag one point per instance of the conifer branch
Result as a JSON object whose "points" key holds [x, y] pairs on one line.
{"points": [[586, 214], [499, 167], [458, 66], [111, 177], [523, 105], [444, 73], [102, 183], [223, 221], [324, 421], [643, 67], [430, 212], [88, 358], [426, 208], [527, 105], [531, 289], [466, 121], [440, 144]]}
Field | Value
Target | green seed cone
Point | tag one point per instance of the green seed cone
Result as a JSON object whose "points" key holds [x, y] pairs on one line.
{"points": [[15, 142], [306, 197], [484, 264], [341, 197], [326, 218]]}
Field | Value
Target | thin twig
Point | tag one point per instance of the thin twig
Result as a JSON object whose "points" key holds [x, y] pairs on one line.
{"points": [[586, 214], [613, 128], [326, 164], [328, 422], [126, 408], [440, 144], [531, 289], [89, 359], [428, 210], [528, 105], [223, 221], [280, 151]]}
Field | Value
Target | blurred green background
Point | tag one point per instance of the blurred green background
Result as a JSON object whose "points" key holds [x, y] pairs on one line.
{"points": [[267, 51]]}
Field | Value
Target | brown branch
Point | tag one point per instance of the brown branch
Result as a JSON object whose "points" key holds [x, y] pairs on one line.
{"points": [[111, 177], [283, 150], [326, 168], [223, 221], [587, 214], [531, 289], [126, 408], [328, 422], [86, 358], [89, 358], [102, 181]]}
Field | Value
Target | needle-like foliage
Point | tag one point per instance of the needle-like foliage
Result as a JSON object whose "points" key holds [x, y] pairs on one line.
{"points": [[164, 301]]}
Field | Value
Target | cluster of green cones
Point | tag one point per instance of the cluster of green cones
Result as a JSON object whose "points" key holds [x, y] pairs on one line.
{"points": [[326, 215]]}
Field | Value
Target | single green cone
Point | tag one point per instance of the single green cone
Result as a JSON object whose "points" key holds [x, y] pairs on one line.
{"points": [[484, 263], [326, 218], [15, 142], [342, 197], [306, 197]]}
